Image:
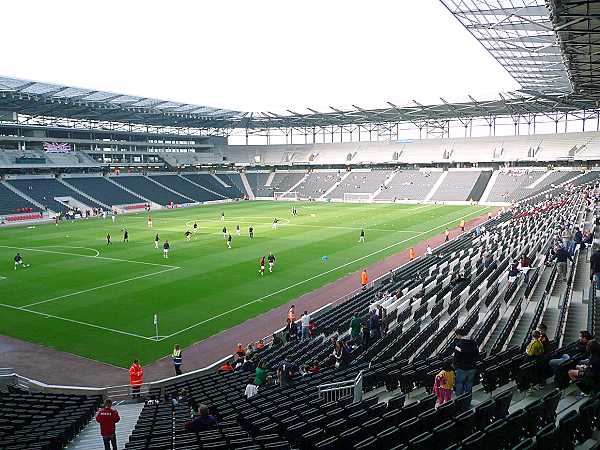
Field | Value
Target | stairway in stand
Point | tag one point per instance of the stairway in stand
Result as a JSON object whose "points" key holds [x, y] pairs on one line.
{"points": [[90, 439]]}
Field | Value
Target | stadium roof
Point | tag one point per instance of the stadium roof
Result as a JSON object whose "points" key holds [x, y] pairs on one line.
{"points": [[552, 48], [36, 98]]}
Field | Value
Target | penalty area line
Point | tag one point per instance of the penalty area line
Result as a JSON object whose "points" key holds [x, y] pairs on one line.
{"points": [[479, 211], [65, 319]]}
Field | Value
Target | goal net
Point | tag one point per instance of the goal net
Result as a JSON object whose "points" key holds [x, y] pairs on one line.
{"points": [[283, 195], [357, 197]]}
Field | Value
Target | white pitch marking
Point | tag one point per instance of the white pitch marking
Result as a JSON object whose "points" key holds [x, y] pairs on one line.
{"points": [[71, 246], [52, 316], [3, 278], [96, 288], [89, 256], [317, 276]]}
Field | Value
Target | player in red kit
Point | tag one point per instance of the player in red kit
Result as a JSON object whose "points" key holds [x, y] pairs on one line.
{"points": [[262, 266]]}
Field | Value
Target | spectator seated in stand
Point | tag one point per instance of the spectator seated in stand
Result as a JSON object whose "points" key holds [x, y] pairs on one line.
{"points": [[286, 372], [581, 348], [201, 421], [239, 355], [226, 367], [587, 376], [312, 367], [535, 348], [276, 341]]}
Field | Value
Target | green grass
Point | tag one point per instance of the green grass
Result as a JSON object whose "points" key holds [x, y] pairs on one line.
{"points": [[88, 308]]}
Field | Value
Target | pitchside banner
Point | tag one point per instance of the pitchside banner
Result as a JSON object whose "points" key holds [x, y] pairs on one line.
{"points": [[57, 147]]}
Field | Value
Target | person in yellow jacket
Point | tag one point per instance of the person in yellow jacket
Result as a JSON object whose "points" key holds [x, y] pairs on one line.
{"points": [[177, 356], [461, 224], [535, 348]]}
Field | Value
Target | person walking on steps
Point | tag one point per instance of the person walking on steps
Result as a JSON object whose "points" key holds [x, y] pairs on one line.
{"points": [[107, 417]]}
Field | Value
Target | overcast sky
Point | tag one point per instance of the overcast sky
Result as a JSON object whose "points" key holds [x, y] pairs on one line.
{"points": [[262, 55]]}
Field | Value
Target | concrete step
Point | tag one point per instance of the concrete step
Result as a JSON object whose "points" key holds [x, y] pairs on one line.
{"points": [[576, 321], [90, 439]]}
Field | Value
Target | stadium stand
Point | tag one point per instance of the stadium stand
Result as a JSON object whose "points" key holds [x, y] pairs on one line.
{"points": [[209, 182], [510, 182], [19, 158], [152, 191], [515, 185], [409, 185], [46, 190], [185, 159], [457, 185], [42, 421], [283, 181], [236, 187], [360, 182], [102, 189], [12, 203], [317, 183], [257, 181], [182, 185]]}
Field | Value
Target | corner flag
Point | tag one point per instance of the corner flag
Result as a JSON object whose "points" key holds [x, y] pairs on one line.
{"points": [[156, 325]]}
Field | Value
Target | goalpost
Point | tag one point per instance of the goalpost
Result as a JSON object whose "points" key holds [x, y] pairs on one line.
{"points": [[357, 197], [284, 195]]}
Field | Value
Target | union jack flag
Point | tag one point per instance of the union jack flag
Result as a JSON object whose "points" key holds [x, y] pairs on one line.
{"points": [[57, 147]]}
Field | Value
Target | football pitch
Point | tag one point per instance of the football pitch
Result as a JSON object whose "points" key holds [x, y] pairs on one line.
{"points": [[99, 301]]}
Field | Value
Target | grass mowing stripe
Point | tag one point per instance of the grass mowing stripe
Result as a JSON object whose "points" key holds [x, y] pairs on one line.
{"points": [[100, 327], [317, 276], [97, 287]]}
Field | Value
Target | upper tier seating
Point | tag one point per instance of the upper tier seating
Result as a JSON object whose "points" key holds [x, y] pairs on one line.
{"points": [[10, 202], [44, 190], [103, 190], [456, 186], [360, 182], [37, 421], [409, 185], [317, 183], [183, 186], [152, 191], [208, 181], [71, 159], [175, 159], [537, 147]]}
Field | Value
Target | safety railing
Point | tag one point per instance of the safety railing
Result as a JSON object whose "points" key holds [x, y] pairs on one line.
{"points": [[332, 392]]}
